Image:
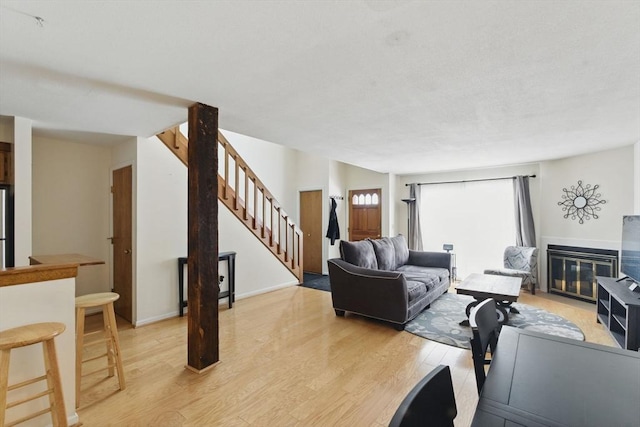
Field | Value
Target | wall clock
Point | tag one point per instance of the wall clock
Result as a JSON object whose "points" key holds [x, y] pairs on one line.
{"points": [[581, 202]]}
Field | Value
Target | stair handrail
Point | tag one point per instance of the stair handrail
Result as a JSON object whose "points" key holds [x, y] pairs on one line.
{"points": [[272, 235]]}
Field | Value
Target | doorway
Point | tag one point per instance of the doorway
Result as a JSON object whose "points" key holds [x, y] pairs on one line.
{"points": [[311, 226], [121, 242], [6, 226], [365, 214]]}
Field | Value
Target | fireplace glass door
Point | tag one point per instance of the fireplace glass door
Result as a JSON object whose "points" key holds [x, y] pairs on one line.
{"points": [[573, 272]]}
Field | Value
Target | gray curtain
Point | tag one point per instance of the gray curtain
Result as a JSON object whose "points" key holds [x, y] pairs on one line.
{"points": [[525, 230], [415, 233]]}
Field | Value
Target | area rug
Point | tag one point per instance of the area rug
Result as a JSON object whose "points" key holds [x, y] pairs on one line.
{"points": [[441, 321], [316, 281]]}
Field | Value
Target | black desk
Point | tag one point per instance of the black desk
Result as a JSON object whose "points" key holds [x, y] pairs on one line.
{"points": [[230, 257], [543, 380]]}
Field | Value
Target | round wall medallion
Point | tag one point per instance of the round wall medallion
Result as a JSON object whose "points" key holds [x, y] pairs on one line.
{"points": [[581, 202]]}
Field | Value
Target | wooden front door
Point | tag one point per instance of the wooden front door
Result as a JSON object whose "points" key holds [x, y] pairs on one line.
{"points": [[365, 214], [311, 226], [121, 242]]}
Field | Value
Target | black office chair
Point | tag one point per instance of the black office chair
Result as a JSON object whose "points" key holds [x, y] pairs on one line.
{"points": [[485, 327], [431, 403]]}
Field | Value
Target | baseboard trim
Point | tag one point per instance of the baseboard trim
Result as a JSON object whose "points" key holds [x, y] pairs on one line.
{"points": [[74, 420], [267, 290], [222, 302]]}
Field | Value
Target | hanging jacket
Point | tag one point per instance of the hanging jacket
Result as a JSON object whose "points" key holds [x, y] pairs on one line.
{"points": [[333, 230]]}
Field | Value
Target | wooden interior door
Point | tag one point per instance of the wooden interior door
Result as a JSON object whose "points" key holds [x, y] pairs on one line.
{"points": [[365, 214], [311, 226], [122, 242]]}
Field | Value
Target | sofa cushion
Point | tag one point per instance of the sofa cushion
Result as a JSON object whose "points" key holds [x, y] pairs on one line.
{"points": [[385, 253], [430, 275], [359, 253], [415, 289], [401, 250]]}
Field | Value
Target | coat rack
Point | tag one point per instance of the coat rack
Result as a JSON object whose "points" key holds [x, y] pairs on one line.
{"points": [[336, 197]]}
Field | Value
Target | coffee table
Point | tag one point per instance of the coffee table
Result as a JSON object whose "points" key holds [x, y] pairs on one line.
{"points": [[503, 289]]}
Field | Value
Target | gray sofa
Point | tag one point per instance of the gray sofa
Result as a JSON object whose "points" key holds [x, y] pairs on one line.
{"points": [[383, 279]]}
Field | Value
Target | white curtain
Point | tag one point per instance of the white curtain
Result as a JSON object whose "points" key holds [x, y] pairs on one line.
{"points": [[476, 217]]}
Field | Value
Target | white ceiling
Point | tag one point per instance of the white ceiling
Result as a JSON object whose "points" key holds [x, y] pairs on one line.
{"points": [[393, 86]]}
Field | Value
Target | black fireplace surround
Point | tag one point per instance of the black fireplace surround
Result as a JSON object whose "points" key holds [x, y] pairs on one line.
{"points": [[572, 271]]}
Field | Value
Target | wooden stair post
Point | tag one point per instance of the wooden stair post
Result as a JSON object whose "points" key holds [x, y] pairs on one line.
{"points": [[202, 286]]}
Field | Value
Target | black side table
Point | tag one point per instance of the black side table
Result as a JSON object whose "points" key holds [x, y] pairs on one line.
{"points": [[230, 258]]}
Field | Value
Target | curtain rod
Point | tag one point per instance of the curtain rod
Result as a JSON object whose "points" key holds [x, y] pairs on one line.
{"points": [[469, 180]]}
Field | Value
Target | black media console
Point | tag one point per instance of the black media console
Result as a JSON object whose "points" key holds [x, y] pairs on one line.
{"points": [[619, 312]]}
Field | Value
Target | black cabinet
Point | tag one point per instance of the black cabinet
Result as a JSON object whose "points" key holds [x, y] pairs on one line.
{"points": [[230, 257], [619, 311]]}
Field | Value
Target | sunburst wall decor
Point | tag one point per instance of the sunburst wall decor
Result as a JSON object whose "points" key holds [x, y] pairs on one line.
{"points": [[581, 202]]}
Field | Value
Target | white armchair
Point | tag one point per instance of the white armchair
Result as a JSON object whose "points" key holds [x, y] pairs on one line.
{"points": [[520, 261]]}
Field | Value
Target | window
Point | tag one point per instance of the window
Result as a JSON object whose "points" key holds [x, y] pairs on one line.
{"points": [[365, 199], [476, 217]]}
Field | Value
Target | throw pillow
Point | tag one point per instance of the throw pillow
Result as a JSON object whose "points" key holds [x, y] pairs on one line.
{"points": [[401, 250], [385, 253], [359, 253]]}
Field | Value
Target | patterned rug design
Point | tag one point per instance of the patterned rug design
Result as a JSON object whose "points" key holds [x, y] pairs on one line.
{"points": [[441, 321]]}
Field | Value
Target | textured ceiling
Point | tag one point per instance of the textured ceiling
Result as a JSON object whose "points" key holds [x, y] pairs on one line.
{"points": [[393, 86]]}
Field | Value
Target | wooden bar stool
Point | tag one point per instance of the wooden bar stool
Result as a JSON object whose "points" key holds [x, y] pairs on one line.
{"points": [[109, 336], [23, 336]]}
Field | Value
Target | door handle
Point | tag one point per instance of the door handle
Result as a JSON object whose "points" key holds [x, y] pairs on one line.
{"points": [[127, 251]]}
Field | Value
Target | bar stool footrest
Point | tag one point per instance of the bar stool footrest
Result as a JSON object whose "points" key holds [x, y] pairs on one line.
{"points": [[27, 418], [27, 382]]}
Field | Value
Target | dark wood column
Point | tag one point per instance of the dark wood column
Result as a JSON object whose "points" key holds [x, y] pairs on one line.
{"points": [[202, 285]]}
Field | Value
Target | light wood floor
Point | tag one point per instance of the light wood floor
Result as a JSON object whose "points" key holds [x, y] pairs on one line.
{"points": [[287, 360]]}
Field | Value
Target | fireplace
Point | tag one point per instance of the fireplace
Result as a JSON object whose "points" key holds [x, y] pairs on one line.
{"points": [[572, 271]]}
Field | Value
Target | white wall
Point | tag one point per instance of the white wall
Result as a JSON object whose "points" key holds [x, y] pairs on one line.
{"points": [[274, 166], [49, 301], [337, 187], [6, 129], [332, 178], [22, 189], [391, 204], [402, 191], [72, 213], [122, 155], [362, 179], [257, 270], [312, 173], [636, 178], [17, 131], [159, 197], [336, 179], [613, 171], [71, 206], [161, 234]]}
